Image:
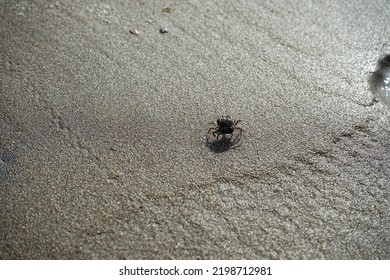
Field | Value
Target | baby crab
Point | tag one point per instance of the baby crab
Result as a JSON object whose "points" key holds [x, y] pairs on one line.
{"points": [[225, 125]]}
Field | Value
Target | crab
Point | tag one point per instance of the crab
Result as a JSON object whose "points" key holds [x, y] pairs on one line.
{"points": [[225, 125]]}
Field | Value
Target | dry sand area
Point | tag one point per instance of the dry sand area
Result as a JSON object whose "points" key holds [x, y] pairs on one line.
{"points": [[104, 144]]}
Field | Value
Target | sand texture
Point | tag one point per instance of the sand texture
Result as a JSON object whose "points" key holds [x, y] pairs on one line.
{"points": [[105, 108]]}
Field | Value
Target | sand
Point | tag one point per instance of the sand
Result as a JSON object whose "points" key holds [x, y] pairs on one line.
{"points": [[104, 118]]}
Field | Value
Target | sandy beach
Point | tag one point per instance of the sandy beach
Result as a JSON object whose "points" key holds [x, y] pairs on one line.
{"points": [[105, 108]]}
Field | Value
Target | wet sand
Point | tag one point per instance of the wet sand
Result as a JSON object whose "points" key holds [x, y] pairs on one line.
{"points": [[104, 146]]}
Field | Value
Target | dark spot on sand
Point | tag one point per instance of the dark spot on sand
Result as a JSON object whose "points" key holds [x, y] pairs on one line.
{"points": [[134, 31], [6, 159], [380, 80]]}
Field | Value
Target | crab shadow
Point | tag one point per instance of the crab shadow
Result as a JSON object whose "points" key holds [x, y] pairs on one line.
{"points": [[223, 144], [6, 161]]}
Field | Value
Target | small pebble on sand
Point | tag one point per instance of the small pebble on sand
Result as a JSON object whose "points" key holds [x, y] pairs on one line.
{"points": [[134, 31]]}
